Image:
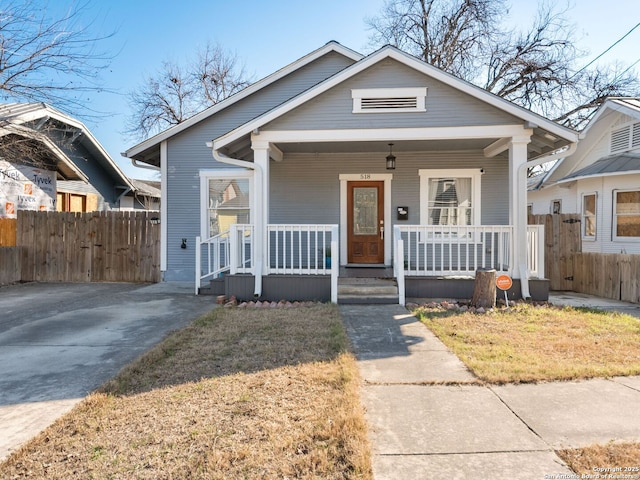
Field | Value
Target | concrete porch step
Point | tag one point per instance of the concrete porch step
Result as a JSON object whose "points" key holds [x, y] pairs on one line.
{"points": [[367, 291]]}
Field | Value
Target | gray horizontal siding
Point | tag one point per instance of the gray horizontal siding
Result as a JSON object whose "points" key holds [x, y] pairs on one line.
{"points": [[446, 106], [305, 188], [187, 154]]}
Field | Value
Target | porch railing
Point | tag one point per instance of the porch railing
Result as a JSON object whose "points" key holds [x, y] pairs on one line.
{"points": [[230, 251], [301, 249], [291, 249], [434, 250]]}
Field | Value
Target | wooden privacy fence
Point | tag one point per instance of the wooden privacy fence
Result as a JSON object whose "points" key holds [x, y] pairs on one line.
{"points": [[562, 240], [609, 275], [88, 247]]}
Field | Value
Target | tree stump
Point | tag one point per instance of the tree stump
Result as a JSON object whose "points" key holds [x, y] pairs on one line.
{"points": [[484, 289]]}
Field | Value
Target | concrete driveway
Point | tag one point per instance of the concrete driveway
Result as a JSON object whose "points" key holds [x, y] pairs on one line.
{"points": [[58, 342]]}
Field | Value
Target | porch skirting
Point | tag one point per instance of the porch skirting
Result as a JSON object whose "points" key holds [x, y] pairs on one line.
{"points": [[299, 288], [318, 288]]}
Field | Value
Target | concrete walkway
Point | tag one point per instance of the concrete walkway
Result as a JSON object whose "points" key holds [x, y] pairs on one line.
{"points": [[430, 418]]}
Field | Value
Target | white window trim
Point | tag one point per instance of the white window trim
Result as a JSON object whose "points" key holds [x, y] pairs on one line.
{"points": [[583, 227], [205, 176], [614, 217], [420, 93], [476, 184]]}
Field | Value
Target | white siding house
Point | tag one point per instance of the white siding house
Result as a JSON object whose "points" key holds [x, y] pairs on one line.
{"points": [[601, 181], [380, 161]]}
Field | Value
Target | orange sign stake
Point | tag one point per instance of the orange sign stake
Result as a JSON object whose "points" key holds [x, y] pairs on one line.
{"points": [[504, 283]]}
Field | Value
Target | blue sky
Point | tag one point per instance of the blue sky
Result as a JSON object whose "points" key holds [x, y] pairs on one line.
{"points": [[268, 35]]}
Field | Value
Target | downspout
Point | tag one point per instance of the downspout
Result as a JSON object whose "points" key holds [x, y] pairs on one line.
{"points": [[522, 179], [220, 157]]}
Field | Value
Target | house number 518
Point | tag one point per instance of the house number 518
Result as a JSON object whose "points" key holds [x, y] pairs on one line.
{"points": [[365, 176]]}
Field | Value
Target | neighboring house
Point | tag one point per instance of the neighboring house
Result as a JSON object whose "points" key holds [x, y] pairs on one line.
{"points": [[145, 196], [600, 181], [51, 161], [375, 161]]}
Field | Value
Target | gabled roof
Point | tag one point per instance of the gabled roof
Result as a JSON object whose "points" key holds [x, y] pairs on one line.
{"points": [[20, 115], [627, 105], [413, 62], [623, 164], [591, 135], [331, 46]]}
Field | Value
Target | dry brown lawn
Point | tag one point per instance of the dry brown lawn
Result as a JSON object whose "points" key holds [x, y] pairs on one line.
{"points": [[531, 344], [604, 460], [238, 394]]}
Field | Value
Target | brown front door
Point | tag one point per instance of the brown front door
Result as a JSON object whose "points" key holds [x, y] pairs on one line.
{"points": [[365, 222]]}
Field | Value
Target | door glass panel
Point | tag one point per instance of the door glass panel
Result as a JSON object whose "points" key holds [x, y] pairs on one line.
{"points": [[365, 211]]}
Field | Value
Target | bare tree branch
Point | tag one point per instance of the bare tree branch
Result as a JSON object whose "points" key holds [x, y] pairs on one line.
{"points": [[51, 60], [536, 68], [175, 93]]}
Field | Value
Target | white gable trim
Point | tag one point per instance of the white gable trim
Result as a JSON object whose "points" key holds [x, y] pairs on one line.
{"points": [[259, 85], [615, 105], [394, 53]]}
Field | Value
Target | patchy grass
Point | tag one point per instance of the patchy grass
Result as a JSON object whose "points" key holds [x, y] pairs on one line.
{"points": [[611, 459], [237, 394], [531, 344]]}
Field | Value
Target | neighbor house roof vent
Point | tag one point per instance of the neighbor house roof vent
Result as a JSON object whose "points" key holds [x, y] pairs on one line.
{"points": [[625, 138], [385, 100]]}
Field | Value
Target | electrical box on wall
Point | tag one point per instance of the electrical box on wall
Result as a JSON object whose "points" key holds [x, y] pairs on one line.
{"points": [[403, 213]]}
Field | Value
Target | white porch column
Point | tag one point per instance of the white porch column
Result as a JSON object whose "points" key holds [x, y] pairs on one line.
{"points": [[518, 206], [261, 202]]}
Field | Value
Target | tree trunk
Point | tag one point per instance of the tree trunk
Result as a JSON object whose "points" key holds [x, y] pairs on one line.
{"points": [[484, 289]]}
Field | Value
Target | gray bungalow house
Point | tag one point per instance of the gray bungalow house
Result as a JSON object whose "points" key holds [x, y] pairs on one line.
{"points": [[341, 161]]}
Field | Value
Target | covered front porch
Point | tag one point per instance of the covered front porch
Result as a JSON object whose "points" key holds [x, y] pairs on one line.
{"points": [[302, 262]]}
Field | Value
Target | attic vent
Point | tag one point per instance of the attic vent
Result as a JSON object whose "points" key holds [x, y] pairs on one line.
{"points": [[625, 138], [380, 100]]}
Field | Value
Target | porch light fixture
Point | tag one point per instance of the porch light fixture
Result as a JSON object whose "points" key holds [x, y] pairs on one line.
{"points": [[391, 159]]}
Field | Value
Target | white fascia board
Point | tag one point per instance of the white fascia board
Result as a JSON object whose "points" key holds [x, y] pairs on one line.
{"points": [[377, 134], [259, 85], [429, 70]]}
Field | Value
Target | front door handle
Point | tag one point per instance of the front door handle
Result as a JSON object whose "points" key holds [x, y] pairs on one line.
{"points": [[381, 233]]}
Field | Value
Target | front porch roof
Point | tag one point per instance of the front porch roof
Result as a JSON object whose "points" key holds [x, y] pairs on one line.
{"points": [[547, 136]]}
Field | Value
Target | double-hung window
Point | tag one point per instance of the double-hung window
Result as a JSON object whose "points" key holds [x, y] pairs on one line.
{"points": [[626, 214], [450, 197], [589, 216], [225, 197]]}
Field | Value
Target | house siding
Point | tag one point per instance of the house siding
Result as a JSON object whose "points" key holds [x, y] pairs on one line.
{"points": [[446, 106], [297, 196], [605, 188], [187, 154]]}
